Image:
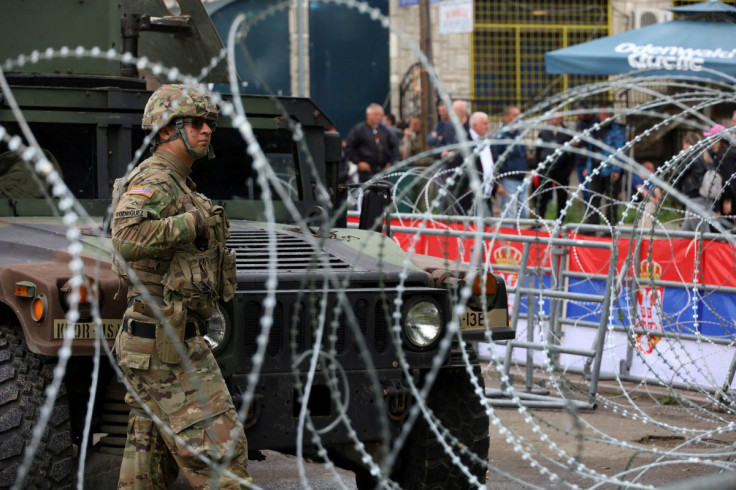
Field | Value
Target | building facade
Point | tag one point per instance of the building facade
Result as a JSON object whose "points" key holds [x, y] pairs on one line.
{"points": [[501, 61]]}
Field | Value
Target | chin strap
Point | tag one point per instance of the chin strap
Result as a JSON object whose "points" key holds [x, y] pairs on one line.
{"points": [[181, 133]]}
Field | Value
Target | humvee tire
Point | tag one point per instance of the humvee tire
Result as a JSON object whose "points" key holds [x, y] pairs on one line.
{"points": [[424, 465], [23, 379]]}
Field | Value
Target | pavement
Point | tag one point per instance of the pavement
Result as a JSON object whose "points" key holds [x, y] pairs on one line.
{"points": [[638, 435], [277, 472]]}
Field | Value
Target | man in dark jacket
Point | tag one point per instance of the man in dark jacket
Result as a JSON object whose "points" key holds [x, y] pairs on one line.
{"points": [[606, 174], [555, 177], [370, 144], [586, 120], [724, 161], [690, 180], [510, 189]]}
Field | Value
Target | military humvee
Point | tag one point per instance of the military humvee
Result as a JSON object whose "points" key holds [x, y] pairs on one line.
{"points": [[377, 316]]}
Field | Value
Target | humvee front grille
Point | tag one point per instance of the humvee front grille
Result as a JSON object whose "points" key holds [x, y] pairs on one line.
{"points": [[294, 253], [295, 322]]}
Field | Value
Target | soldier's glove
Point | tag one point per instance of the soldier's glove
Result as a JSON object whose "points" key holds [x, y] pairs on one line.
{"points": [[200, 224]]}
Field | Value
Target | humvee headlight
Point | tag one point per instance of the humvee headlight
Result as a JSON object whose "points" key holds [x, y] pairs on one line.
{"points": [[423, 323], [216, 330]]}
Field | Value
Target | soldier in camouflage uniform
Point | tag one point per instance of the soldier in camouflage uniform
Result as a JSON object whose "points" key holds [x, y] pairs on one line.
{"points": [[172, 240]]}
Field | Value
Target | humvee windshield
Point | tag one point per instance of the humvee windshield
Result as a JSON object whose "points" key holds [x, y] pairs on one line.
{"points": [[72, 146], [231, 176]]}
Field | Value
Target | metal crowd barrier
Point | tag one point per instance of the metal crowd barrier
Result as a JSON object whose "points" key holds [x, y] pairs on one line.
{"points": [[559, 294]]}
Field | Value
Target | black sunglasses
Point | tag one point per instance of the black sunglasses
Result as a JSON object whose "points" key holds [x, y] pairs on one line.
{"points": [[198, 123]]}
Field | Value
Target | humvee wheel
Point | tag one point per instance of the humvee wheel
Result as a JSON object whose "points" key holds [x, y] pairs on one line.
{"points": [[424, 465], [23, 380]]}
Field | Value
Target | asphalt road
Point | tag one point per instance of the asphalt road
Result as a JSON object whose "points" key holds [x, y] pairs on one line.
{"points": [[639, 435], [614, 446], [278, 472]]}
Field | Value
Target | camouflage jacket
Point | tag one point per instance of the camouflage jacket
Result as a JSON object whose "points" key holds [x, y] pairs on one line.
{"points": [[155, 235]]}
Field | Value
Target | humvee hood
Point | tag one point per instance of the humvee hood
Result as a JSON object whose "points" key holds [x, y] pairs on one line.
{"points": [[356, 257], [38, 239]]}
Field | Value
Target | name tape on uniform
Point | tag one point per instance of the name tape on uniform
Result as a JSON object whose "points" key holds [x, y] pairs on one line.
{"points": [[131, 213]]}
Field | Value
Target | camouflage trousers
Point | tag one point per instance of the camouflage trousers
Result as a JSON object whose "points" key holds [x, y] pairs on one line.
{"points": [[194, 403]]}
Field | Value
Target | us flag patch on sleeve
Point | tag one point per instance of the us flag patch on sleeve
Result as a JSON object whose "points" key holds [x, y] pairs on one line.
{"points": [[140, 190]]}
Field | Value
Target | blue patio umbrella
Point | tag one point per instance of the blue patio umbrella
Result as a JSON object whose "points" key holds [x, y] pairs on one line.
{"points": [[711, 6], [678, 47]]}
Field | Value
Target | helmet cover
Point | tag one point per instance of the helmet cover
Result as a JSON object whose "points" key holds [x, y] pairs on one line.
{"points": [[176, 101]]}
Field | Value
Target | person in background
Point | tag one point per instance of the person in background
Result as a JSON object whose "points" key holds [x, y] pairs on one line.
{"points": [[511, 188], [443, 133], [462, 199], [585, 121], [555, 177], [412, 144], [649, 193], [606, 182], [724, 159], [389, 120], [462, 109], [479, 126], [441, 136], [690, 182], [423, 187], [370, 144]]}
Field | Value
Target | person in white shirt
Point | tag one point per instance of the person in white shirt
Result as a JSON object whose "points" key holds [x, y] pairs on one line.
{"points": [[463, 198]]}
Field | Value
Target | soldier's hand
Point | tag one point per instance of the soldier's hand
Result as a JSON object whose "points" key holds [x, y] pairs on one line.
{"points": [[200, 225], [198, 216]]}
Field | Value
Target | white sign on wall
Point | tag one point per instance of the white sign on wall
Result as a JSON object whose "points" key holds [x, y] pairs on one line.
{"points": [[456, 17]]}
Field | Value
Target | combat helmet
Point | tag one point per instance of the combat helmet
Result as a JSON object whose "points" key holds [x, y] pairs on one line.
{"points": [[173, 103]]}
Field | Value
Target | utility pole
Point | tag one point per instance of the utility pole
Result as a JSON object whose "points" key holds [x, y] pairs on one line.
{"points": [[299, 47], [427, 95]]}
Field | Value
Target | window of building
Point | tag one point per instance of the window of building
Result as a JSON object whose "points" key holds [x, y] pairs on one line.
{"points": [[509, 42]]}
